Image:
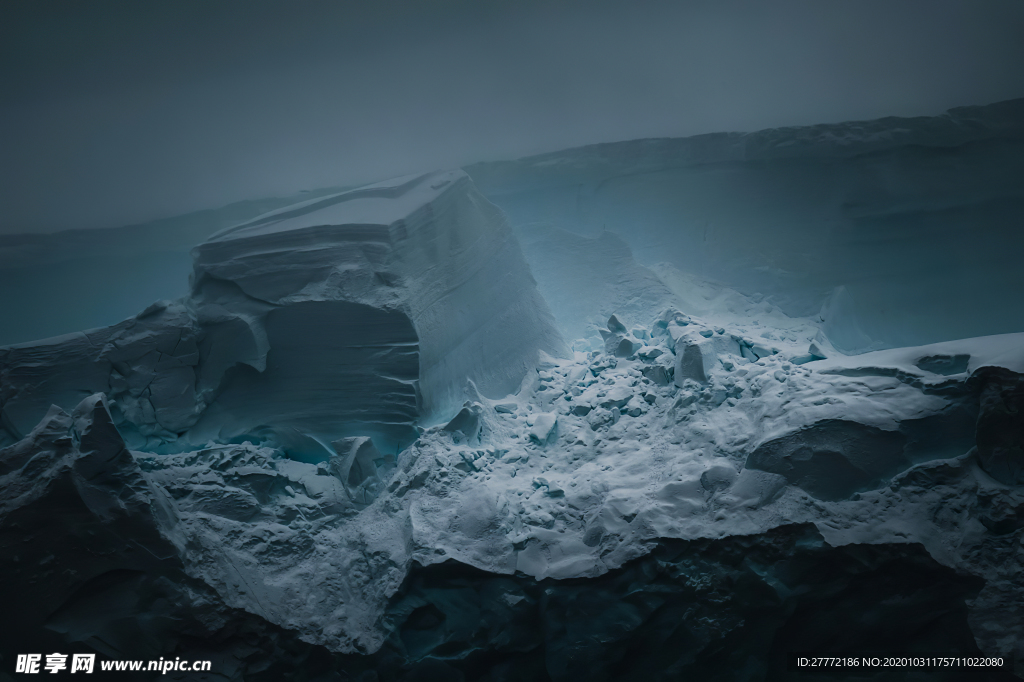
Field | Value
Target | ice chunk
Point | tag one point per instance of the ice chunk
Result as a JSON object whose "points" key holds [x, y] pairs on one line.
{"points": [[355, 460], [507, 407], [659, 374], [615, 326], [692, 362], [543, 426], [467, 422], [357, 314]]}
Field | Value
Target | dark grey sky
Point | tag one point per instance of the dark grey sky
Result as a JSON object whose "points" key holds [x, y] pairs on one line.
{"points": [[120, 112]]}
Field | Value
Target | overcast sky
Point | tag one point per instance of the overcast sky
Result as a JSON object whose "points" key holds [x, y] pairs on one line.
{"points": [[120, 112]]}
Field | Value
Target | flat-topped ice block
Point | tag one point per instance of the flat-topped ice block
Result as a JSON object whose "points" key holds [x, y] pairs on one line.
{"points": [[365, 312]]}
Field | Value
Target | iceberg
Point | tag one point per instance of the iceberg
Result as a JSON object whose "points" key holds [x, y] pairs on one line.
{"points": [[362, 313], [360, 447]]}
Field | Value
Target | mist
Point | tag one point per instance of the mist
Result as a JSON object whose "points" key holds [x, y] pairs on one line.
{"points": [[117, 113]]}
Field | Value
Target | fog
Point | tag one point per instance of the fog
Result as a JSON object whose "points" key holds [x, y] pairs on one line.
{"points": [[116, 112]]}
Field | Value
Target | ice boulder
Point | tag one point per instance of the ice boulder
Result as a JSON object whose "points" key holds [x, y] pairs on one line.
{"points": [[366, 311], [699, 352]]}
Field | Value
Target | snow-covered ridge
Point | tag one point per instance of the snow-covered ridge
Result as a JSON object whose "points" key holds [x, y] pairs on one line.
{"points": [[681, 429], [381, 203], [958, 126]]}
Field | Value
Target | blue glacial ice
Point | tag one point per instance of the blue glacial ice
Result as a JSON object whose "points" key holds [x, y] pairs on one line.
{"points": [[366, 312], [655, 397]]}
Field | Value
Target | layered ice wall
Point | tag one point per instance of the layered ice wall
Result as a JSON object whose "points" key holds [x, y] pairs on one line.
{"points": [[899, 231], [63, 282], [587, 279], [362, 313], [366, 311]]}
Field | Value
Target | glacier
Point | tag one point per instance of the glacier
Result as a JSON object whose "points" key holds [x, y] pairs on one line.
{"points": [[509, 423], [861, 222], [420, 281]]}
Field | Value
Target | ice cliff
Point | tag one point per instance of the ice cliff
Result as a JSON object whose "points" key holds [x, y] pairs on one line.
{"points": [[388, 435], [362, 313], [897, 231]]}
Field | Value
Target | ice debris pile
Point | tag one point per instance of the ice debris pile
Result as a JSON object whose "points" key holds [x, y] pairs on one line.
{"points": [[640, 483]]}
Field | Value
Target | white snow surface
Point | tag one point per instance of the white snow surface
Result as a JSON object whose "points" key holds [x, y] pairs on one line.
{"points": [[590, 462]]}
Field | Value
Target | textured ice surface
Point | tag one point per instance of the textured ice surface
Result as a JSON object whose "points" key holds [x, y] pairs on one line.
{"points": [[366, 311], [146, 365], [362, 313], [590, 466]]}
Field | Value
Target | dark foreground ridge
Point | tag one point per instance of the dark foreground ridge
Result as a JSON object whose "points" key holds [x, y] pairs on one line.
{"points": [[723, 609]]}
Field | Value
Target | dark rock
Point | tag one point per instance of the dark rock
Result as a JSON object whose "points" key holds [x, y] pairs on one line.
{"points": [[1000, 434], [834, 458], [703, 609]]}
